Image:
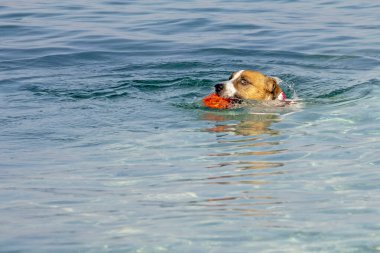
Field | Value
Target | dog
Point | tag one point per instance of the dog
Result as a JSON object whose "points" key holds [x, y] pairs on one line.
{"points": [[250, 85]]}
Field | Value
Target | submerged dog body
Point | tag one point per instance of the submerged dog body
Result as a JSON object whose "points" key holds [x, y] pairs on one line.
{"points": [[249, 84]]}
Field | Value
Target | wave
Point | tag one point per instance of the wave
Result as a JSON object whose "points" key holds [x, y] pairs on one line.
{"points": [[349, 94], [156, 89], [187, 92], [185, 81]]}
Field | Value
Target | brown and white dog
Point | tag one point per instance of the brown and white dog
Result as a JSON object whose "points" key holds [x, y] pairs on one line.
{"points": [[249, 84]]}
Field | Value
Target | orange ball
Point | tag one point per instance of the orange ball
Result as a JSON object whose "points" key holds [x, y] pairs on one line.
{"points": [[216, 102]]}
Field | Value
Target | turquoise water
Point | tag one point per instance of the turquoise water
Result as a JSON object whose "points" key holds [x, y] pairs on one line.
{"points": [[105, 146]]}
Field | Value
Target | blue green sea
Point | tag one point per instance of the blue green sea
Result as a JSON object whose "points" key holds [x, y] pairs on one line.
{"points": [[105, 145]]}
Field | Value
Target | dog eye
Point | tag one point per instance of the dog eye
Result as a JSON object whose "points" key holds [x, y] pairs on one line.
{"points": [[244, 82]]}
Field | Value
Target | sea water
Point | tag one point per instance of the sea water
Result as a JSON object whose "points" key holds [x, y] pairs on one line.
{"points": [[106, 147]]}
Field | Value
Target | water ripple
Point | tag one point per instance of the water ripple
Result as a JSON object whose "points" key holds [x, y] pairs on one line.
{"points": [[106, 146]]}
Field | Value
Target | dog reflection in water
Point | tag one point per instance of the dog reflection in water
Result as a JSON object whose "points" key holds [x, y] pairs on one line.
{"points": [[248, 124], [245, 163]]}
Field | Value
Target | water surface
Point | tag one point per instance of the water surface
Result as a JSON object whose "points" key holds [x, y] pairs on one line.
{"points": [[105, 146]]}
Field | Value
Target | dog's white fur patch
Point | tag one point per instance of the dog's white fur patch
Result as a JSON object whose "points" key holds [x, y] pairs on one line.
{"points": [[229, 87]]}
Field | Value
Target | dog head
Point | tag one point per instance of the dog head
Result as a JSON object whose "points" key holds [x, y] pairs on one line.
{"points": [[249, 84]]}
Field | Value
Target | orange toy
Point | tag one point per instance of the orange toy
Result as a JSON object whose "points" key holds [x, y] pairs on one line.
{"points": [[216, 102]]}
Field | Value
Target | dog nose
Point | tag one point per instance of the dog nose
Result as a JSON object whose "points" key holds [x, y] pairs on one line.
{"points": [[218, 87]]}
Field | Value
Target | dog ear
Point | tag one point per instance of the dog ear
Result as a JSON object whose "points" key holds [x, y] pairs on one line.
{"points": [[273, 85]]}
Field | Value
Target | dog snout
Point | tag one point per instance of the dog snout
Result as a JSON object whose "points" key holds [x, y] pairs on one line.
{"points": [[219, 87]]}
